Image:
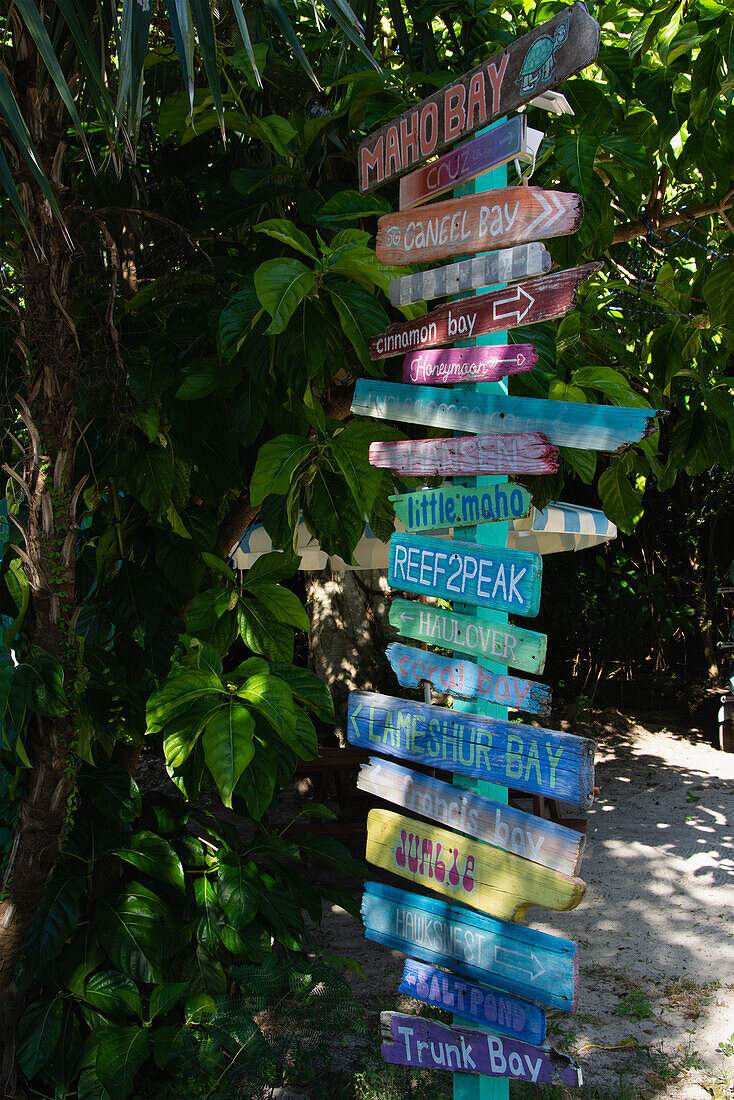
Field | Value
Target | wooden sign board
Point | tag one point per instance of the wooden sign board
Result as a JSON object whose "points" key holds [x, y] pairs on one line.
{"points": [[470, 872], [490, 150], [506, 580], [563, 423], [526, 758], [434, 509], [505, 827], [508, 266], [415, 1041], [476, 223], [508, 957], [465, 680], [531, 65], [479, 1003], [542, 299], [502, 644], [468, 365], [511, 453]]}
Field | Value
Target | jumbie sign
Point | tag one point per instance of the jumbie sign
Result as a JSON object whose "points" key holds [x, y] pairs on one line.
{"points": [[528, 67], [468, 455], [466, 870], [434, 509], [508, 266], [468, 365], [503, 955], [526, 758], [413, 1041]]}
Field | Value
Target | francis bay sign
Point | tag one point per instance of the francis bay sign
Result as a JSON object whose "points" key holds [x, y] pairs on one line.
{"points": [[528, 67]]}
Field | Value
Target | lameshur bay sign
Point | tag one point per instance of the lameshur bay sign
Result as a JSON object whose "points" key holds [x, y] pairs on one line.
{"points": [[506, 956], [449, 506], [526, 758], [529, 66], [509, 453]]}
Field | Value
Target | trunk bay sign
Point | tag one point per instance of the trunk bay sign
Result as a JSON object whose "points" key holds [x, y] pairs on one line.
{"points": [[542, 299], [563, 423], [447, 506], [512, 453], [506, 580], [508, 1015], [414, 1041], [533, 838], [465, 680], [477, 223], [502, 644], [508, 266], [473, 873], [507, 956], [468, 365], [531, 65], [526, 758]]}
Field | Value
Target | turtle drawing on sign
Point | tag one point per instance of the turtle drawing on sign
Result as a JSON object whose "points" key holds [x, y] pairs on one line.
{"points": [[540, 60]]}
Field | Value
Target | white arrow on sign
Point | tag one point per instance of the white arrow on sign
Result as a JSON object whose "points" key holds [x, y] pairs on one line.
{"points": [[515, 298], [531, 967], [547, 207]]}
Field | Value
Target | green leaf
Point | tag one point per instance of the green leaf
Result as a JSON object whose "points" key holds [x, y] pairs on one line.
{"points": [[351, 450], [262, 633], [612, 383], [247, 42], [151, 853], [303, 739], [202, 13], [204, 378], [332, 515], [164, 997], [284, 605], [206, 608], [183, 729], [41, 678], [281, 285], [277, 461], [560, 391], [237, 319], [360, 314], [209, 921], [274, 567], [131, 927], [273, 699], [275, 9], [39, 1031], [120, 1054], [113, 994], [621, 501], [351, 206], [307, 689], [717, 292], [111, 790], [228, 747], [257, 782], [239, 886], [282, 229], [178, 692], [575, 153], [154, 477], [55, 920], [582, 463]]}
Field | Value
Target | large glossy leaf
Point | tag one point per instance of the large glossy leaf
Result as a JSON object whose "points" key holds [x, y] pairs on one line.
{"points": [[360, 314], [237, 319], [621, 501], [239, 889], [228, 746], [112, 791], [165, 997], [262, 633], [55, 920], [575, 153], [284, 605], [332, 514], [277, 461], [120, 1054], [182, 27], [178, 692], [183, 730], [273, 567], [302, 739], [281, 285], [612, 383], [717, 291], [209, 915], [206, 607], [113, 994], [131, 926], [283, 229], [351, 450], [151, 853], [38, 1033], [257, 782], [307, 689], [273, 699]]}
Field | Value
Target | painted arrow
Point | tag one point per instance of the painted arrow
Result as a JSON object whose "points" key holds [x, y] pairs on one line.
{"points": [[544, 298], [528, 967], [480, 364], [477, 223]]}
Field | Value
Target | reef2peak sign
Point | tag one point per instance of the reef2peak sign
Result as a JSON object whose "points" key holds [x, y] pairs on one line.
{"points": [[534, 63]]}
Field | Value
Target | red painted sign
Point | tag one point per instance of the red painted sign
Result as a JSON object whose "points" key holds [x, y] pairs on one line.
{"points": [[514, 453]]}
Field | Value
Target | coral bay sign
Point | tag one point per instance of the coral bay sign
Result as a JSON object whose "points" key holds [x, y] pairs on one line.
{"points": [[531, 65], [460, 227]]}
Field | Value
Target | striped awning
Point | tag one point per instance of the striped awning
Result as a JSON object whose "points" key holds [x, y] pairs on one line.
{"points": [[556, 528]]}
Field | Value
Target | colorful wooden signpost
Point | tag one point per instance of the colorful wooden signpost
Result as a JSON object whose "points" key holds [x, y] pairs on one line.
{"points": [[506, 580], [479, 364], [462, 227], [414, 1041], [466, 870], [534, 838], [527, 758], [543, 299], [478, 1003], [508, 141], [508, 266], [531, 65], [505, 645], [465, 680], [564, 423], [511, 453], [505, 956], [434, 509]]}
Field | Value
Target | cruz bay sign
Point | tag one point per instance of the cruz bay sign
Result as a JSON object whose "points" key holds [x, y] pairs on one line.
{"points": [[528, 67]]}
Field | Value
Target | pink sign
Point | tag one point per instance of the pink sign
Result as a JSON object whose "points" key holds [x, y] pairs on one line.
{"points": [[444, 366]]}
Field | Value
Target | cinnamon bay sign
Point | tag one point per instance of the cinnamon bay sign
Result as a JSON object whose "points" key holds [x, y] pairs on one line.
{"points": [[542, 299], [432, 509], [511, 453], [531, 65], [468, 365], [477, 223], [510, 265]]}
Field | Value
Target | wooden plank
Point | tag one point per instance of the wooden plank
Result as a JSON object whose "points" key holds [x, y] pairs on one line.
{"points": [[481, 1004], [542, 299], [533, 838], [508, 957], [511, 646], [415, 1041], [446, 366], [506, 580], [449, 506], [475, 874], [507, 266], [510, 453], [492, 149], [477, 223], [529, 66], [526, 758], [465, 680], [564, 423]]}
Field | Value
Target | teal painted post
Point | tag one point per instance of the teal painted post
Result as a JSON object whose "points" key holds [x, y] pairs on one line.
{"points": [[469, 1086]]}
